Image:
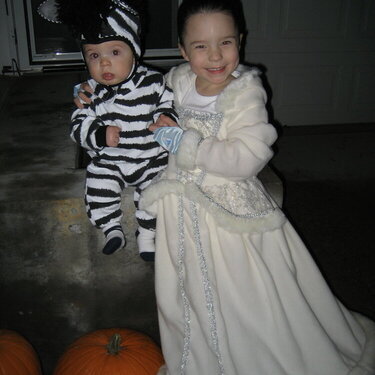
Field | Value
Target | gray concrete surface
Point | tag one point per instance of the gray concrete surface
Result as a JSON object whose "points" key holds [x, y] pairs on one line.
{"points": [[55, 284]]}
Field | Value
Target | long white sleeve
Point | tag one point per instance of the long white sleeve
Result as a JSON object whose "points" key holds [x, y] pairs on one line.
{"points": [[243, 145]]}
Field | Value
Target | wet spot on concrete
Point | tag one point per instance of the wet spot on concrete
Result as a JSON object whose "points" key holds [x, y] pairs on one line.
{"points": [[76, 228]]}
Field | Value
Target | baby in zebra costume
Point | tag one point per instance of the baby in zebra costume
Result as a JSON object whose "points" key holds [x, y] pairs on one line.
{"points": [[127, 97]]}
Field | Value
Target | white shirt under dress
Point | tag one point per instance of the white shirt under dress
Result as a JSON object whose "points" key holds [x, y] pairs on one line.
{"points": [[199, 102]]}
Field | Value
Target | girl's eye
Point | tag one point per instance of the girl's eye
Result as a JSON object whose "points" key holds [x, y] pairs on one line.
{"points": [[227, 42], [116, 52], [94, 56], [199, 46]]}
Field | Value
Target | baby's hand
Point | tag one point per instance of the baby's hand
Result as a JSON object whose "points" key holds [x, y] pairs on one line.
{"points": [[84, 92], [112, 136], [162, 121]]}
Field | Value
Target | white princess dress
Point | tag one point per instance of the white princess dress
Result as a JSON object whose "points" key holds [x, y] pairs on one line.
{"points": [[237, 291]]}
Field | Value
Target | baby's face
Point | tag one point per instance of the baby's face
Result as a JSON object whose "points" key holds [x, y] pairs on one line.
{"points": [[109, 63]]}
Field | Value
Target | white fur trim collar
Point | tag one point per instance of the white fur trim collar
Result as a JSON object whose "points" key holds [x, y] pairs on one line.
{"points": [[181, 78]]}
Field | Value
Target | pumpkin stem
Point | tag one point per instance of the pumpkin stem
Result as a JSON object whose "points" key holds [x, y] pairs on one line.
{"points": [[113, 347]]}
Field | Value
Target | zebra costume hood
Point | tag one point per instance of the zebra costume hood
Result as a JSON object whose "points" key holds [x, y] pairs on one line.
{"points": [[96, 21]]}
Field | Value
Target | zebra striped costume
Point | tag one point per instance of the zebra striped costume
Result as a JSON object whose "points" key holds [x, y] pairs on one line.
{"points": [[132, 106]]}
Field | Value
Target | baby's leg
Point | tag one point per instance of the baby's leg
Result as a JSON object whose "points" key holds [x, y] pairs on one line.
{"points": [[146, 231], [147, 224], [104, 185]]}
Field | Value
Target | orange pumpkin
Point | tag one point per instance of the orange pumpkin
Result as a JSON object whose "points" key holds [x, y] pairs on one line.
{"points": [[111, 351], [17, 356]]}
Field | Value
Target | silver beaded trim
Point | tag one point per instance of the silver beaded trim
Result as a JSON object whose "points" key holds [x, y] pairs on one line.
{"points": [[207, 123], [207, 287], [181, 269], [212, 203]]}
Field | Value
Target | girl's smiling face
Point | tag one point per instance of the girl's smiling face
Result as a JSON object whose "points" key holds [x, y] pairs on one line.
{"points": [[211, 45], [109, 62]]}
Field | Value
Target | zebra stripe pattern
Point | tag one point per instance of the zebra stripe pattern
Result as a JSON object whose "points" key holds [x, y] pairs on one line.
{"points": [[126, 25], [132, 106]]}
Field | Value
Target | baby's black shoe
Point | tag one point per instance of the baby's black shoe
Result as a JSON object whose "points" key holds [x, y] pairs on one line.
{"points": [[115, 240]]}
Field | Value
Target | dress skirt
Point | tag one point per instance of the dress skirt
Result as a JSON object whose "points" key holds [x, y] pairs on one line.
{"points": [[248, 303]]}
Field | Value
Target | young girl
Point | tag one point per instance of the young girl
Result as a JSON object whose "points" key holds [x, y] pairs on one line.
{"points": [[237, 291]]}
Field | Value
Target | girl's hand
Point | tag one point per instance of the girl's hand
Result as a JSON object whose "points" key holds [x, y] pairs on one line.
{"points": [[83, 95], [162, 121], [112, 136]]}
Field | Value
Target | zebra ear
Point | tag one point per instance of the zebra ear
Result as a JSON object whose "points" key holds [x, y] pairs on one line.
{"points": [[49, 10], [127, 6]]}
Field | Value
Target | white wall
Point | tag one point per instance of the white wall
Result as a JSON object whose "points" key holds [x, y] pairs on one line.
{"points": [[319, 57]]}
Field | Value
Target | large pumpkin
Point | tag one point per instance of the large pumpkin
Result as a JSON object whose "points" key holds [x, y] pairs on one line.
{"points": [[17, 356], [112, 351]]}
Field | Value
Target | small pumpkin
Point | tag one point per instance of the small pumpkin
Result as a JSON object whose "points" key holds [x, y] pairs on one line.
{"points": [[111, 351], [17, 356]]}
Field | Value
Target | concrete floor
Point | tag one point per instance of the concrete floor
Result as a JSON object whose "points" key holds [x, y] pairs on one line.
{"points": [[55, 284]]}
